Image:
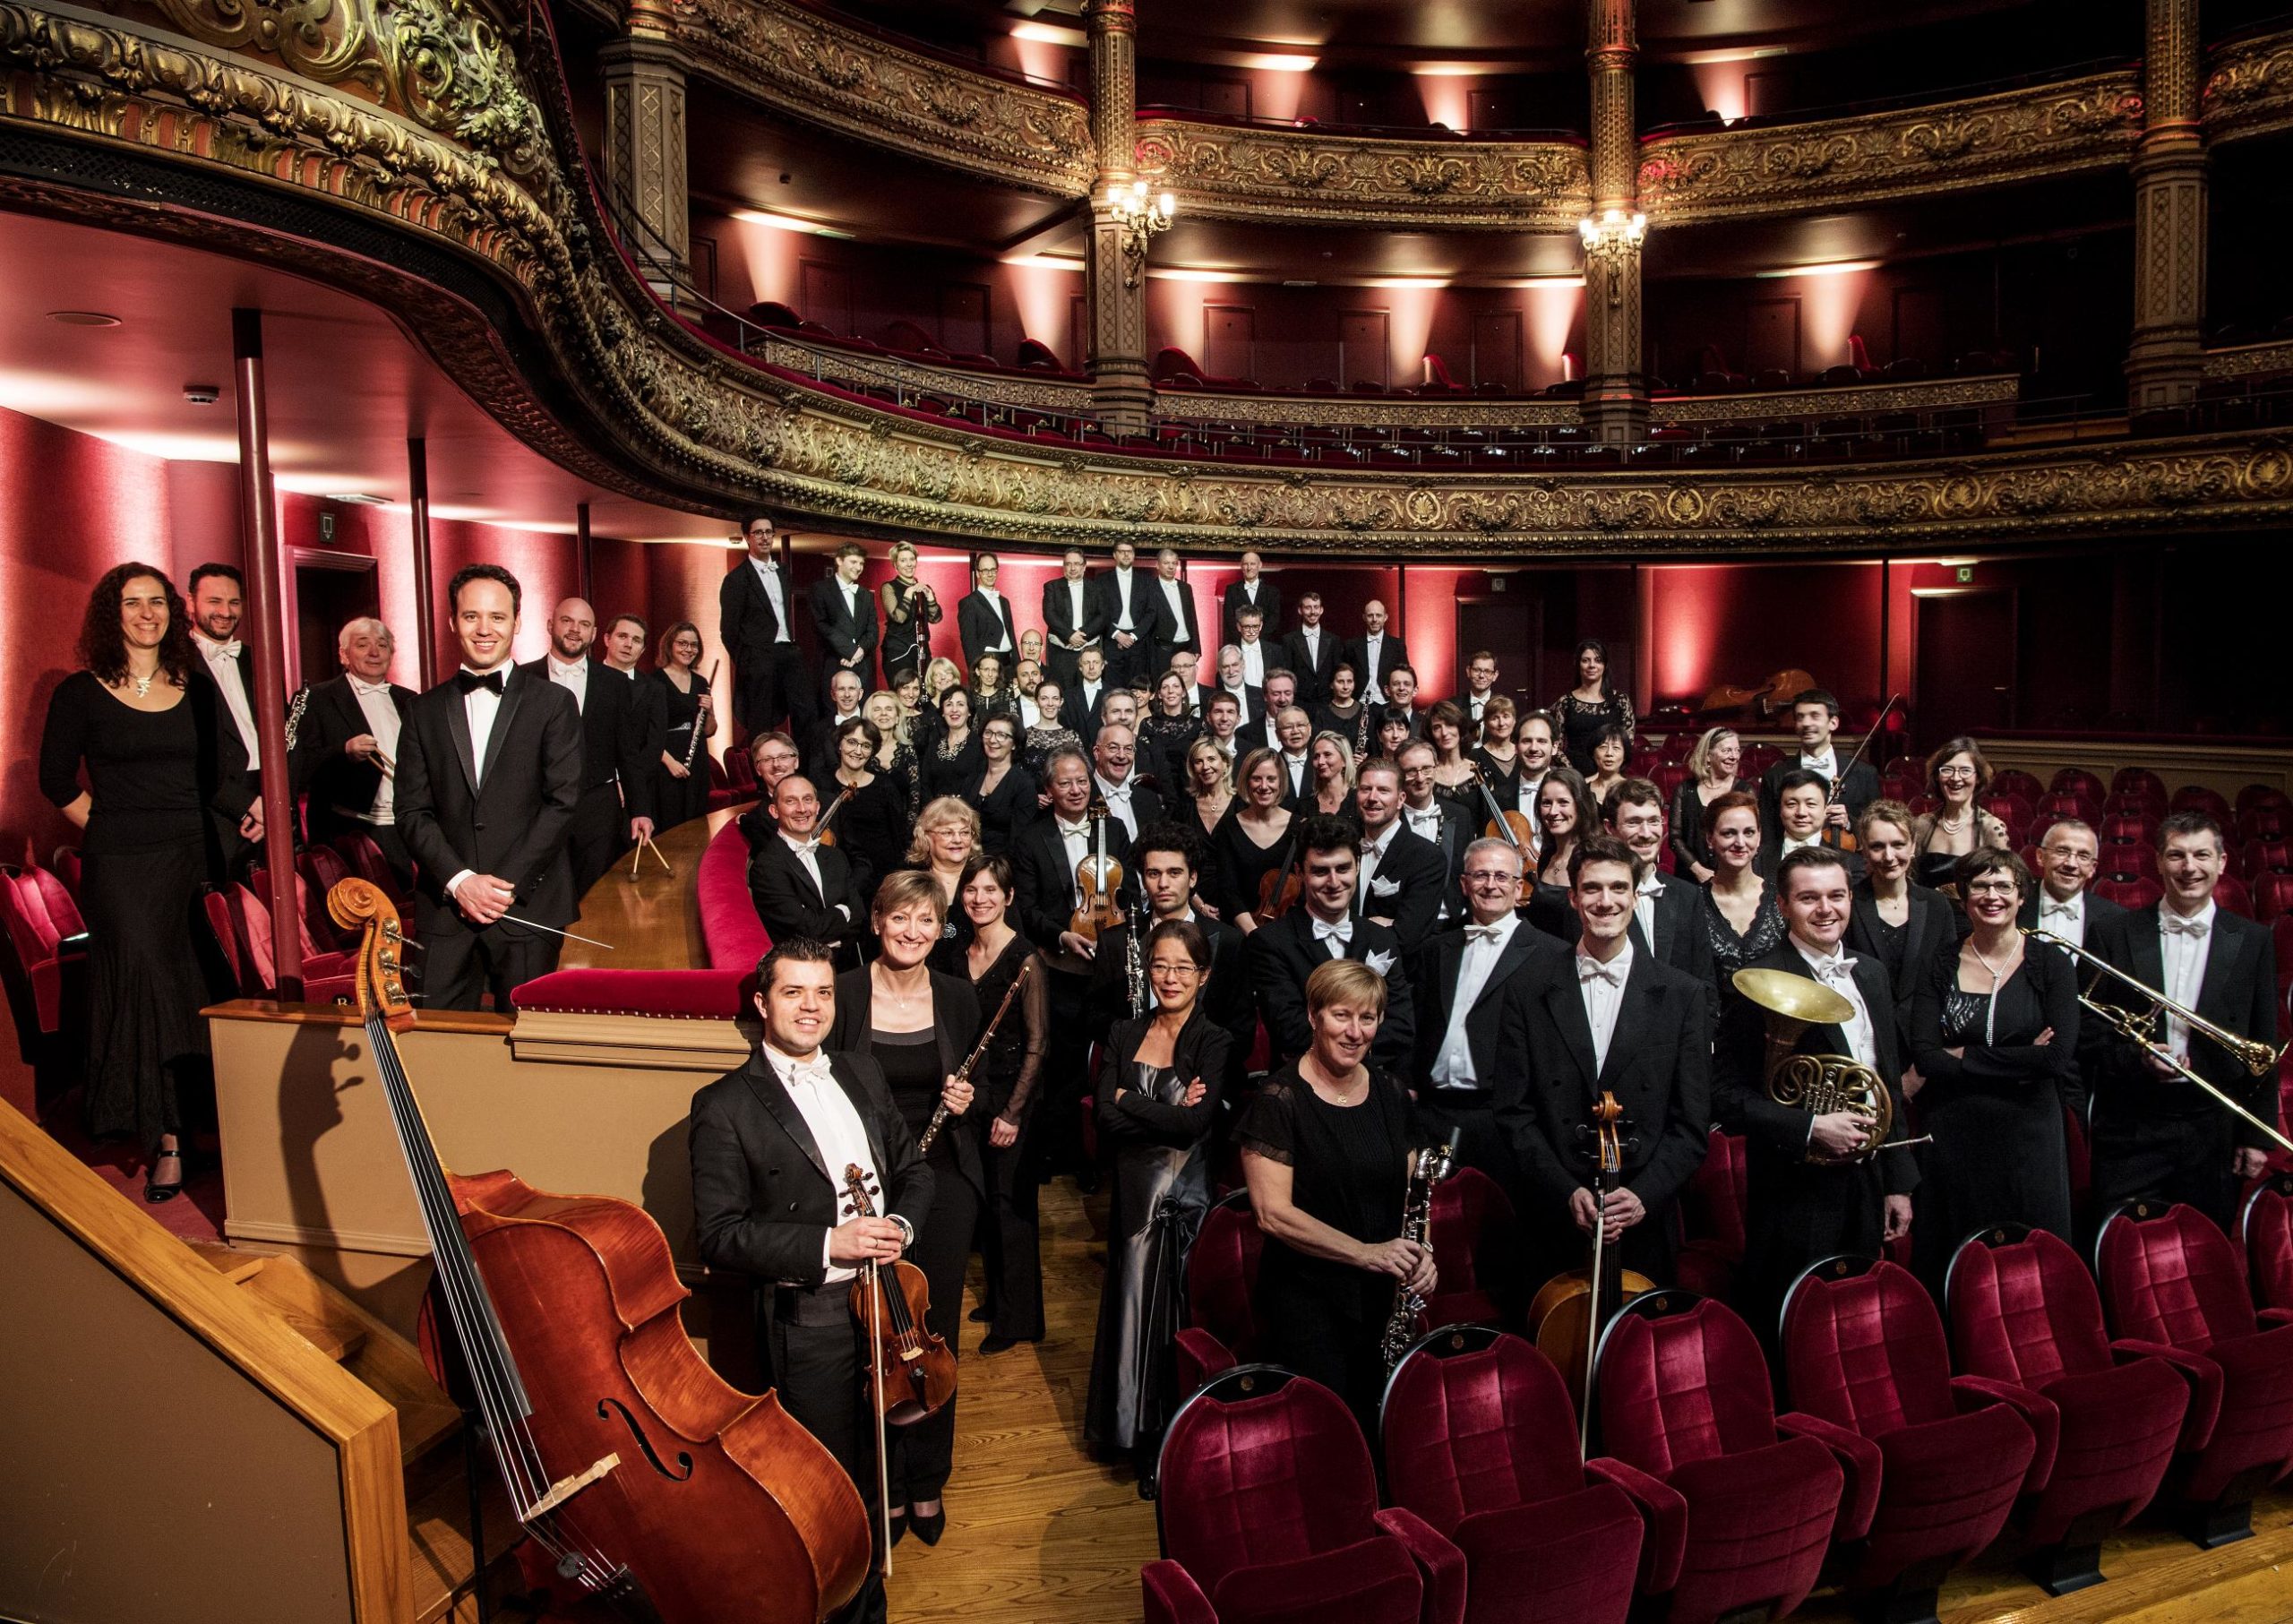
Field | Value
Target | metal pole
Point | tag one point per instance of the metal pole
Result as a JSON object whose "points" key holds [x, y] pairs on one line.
{"points": [[259, 523], [426, 588], [587, 576]]}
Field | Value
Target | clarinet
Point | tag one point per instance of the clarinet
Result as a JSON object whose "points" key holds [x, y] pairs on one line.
{"points": [[1427, 1167], [1134, 962], [294, 713], [931, 1133]]}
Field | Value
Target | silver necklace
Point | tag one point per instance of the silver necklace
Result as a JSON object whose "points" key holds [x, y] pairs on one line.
{"points": [[143, 686]]}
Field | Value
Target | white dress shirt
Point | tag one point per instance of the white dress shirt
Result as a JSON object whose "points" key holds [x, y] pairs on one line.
{"points": [[837, 1129], [1077, 838], [1031, 714], [1836, 971], [1118, 799], [2183, 944], [1297, 765], [1643, 909], [574, 676], [1253, 663], [1475, 703], [1313, 636], [1240, 691], [1075, 609], [480, 706], [1425, 822], [1602, 987], [1373, 852], [1122, 600], [1172, 594], [1485, 944], [1372, 684], [1002, 643], [382, 721], [1090, 692], [223, 664], [2066, 920], [808, 855], [1528, 799], [771, 579]]}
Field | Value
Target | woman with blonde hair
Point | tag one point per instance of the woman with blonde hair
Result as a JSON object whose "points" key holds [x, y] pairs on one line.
{"points": [[911, 609], [1210, 781], [1711, 774], [1329, 767], [946, 833]]}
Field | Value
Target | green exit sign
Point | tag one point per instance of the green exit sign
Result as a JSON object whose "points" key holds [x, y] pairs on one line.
{"points": [[1966, 574]]}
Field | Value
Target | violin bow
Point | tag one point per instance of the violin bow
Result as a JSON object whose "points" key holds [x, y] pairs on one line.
{"points": [[1840, 788]]}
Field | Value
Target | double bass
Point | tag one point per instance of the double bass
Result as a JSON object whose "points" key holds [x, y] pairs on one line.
{"points": [[647, 1485], [1570, 1308]]}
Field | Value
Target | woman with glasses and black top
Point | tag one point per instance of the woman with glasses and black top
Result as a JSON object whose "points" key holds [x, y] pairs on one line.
{"points": [[1958, 775]]}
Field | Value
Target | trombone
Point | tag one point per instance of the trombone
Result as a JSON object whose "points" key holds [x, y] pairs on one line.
{"points": [[2140, 1029]]}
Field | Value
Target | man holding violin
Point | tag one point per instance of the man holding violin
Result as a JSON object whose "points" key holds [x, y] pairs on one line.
{"points": [[770, 1142], [1815, 717]]}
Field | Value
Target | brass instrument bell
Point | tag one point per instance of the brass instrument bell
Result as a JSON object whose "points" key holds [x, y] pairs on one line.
{"points": [[1817, 1084]]}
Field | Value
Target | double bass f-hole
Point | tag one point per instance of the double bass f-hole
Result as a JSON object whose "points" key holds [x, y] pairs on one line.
{"points": [[608, 1407]]}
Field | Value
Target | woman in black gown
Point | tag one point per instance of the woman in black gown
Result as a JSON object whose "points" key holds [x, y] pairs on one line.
{"points": [[1325, 1146], [1593, 704], [1002, 792], [1995, 1031], [1896, 922], [952, 759], [911, 609], [1168, 727], [165, 777], [1252, 840], [919, 1024], [1158, 1101], [1738, 911], [872, 826], [680, 775]]}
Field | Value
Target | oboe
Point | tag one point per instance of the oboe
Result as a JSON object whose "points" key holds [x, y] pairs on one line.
{"points": [[693, 744], [1428, 1166], [940, 1112], [1134, 963]]}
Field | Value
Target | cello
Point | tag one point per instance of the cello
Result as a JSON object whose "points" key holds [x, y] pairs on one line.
{"points": [[647, 1484], [1571, 1308]]}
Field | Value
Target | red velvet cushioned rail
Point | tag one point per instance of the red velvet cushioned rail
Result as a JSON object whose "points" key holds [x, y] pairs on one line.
{"points": [[730, 930]]}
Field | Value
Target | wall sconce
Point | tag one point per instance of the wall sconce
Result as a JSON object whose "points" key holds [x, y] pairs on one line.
{"points": [[1142, 217], [1612, 238]]}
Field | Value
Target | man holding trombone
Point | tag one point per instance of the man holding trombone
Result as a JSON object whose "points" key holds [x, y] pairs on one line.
{"points": [[2183, 1064]]}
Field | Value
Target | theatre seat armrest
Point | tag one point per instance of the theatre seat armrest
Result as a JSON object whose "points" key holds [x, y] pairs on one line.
{"points": [[2273, 1318], [1172, 1597], [1859, 1463], [2203, 1376], [1440, 1564], [1663, 1512], [1200, 1356], [2040, 1414]]}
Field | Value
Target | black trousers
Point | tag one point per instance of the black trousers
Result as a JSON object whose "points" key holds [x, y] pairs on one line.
{"points": [[777, 687], [1126, 666], [1010, 1238], [460, 966], [599, 834], [818, 1371], [2178, 1157], [923, 1455], [1480, 1143], [1065, 1081]]}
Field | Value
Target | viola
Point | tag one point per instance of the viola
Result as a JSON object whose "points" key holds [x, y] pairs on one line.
{"points": [[1511, 827], [1570, 1308], [1280, 890], [822, 835], [644, 1483], [1841, 839], [1098, 880]]}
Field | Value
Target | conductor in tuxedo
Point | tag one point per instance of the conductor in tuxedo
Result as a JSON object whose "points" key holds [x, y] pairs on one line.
{"points": [[844, 614], [2154, 1133], [1613, 1018], [1285, 952], [489, 772], [770, 1142], [1807, 1195], [1815, 717], [803, 888], [616, 799], [346, 747], [756, 622], [1073, 618], [1253, 591], [1462, 980]]}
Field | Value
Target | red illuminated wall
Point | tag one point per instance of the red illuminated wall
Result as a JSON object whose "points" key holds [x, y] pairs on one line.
{"points": [[1737, 623]]}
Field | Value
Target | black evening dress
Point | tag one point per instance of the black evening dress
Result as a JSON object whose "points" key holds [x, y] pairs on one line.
{"points": [[1995, 1108], [1037, 748], [1240, 865], [1349, 1168], [1581, 721], [158, 782], [873, 828], [1731, 952], [1005, 810], [1690, 844], [1009, 1240], [907, 643], [680, 800], [947, 772], [1162, 744]]}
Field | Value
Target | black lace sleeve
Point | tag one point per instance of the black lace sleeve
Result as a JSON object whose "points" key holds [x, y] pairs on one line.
{"points": [[1269, 1124]]}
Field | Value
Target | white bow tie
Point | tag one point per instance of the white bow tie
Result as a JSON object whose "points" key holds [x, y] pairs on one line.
{"points": [[2049, 910], [1483, 933], [229, 651], [1068, 831], [2174, 925], [360, 686], [1589, 968], [1842, 968], [1117, 795], [813, 1071], [1324, 930], [1652, 885]]}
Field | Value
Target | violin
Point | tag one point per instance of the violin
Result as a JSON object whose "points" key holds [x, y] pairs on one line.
{"points": [[1570, 1308], [1843, 839], [1280, 890], [643, 1483], [911, 1373], [822, 835], [1510, 827], [1098, 878]]}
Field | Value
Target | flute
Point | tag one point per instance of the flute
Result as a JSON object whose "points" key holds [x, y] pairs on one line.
{"points": [[693, 744], [940, 1112]]}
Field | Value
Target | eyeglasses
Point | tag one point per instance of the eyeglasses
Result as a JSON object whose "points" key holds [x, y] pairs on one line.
{"points": [[1506, 876], [1955, 772], [1993, 887], [2070, 856]]}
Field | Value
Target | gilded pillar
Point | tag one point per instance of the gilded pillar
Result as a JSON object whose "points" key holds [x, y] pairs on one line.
{"points": [[644, 146], [2167, 359], [1615, 391], [1117, 273]]}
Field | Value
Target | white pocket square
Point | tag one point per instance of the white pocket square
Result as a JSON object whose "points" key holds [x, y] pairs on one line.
{"points": [[1385, 887], [1380, 962]]}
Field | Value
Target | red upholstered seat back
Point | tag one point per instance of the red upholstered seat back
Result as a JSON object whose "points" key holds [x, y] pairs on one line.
{"points": [[734, 936], [1268, 1478], [2025, 1310], [1222, 1276], [1473, 1227], [39, 914], [2268, 1243], [66, 863], [361, 856], [1716, 1197], [1864, 1347], [1686, 1386], [1479, 1431], [2077, 781], [2171, 1277]]}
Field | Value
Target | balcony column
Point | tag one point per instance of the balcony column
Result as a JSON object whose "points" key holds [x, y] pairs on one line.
{"points": [[644, 143], [1117, 278], [1616, 393], [2167, 359]]}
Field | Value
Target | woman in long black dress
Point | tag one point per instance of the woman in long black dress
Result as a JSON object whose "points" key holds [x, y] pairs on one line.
{"points": [[1995, 1031], [1252, 840], [919, 1024], [1157, 1100], [1002, 793], [894, 758], [1168, 727], [911, 609], [166, 777], [952, 759], [1897, 922], [1739, 916], [1325, 1146], [680, 777], [1593, 704], [871, 825]]}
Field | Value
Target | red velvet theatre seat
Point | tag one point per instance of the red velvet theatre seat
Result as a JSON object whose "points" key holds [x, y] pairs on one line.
{"points": [[2175, 1289], [1268, 1514], [2024, 1310], [2267, 1227], [1943, 1460], [1481, 1441], [1736, 1517], [1221, 1283], [1475, 1237]]}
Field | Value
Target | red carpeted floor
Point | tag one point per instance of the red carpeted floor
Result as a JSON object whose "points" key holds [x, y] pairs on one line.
{"points": [[195, 1215]]}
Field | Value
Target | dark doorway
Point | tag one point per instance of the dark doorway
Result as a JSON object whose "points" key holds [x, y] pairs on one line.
{"points": [[1964, 680], [331, 590], [1511, 626]]}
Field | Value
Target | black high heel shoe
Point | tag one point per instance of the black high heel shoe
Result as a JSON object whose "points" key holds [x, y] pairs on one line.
{"points": [[930, 1528], [154, 1191], [899, 1527]]}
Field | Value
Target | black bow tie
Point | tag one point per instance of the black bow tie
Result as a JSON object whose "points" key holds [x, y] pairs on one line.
{"points": [[469, 682]]}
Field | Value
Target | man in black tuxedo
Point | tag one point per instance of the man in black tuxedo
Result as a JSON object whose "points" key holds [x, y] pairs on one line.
{"points": [[1084, 695], [756, 621], [802, 889], [1264, 731], [2064, 902], [1432, 819], [844, 614], [1167, 861], [1815, 717], [1401, 697], [1181, 628], [1802, 810], [1293, 732], [1481, 687], [617, 801], [770, 1142], [1130, 800], [1611, 1018], [1312, 651], [1132, 608], [1666, 910], [1250, 701], [489, 774], [346, 746], [2154, 1133], [1460, 981], [1073, 618], [1253, 591], [1285, 951], [983, 623], [1808, 1198], [845, 699], [216, 596], [1404, 878], [1375, 653]]}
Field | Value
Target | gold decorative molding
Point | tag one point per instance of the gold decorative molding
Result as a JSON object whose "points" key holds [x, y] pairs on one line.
{"points": [[1363, 412], [1226, 172], [2274, 360], [813, 68], [852, 371], [2249, 87], [1986, 141], [1927, 395]]}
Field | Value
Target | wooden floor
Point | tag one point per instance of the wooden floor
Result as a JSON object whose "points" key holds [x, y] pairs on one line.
{"points": [[649, 916], [1037, 1530]]}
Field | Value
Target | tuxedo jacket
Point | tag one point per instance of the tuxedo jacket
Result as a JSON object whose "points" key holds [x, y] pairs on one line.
{"points": [[763, 1200], [1148, 613], [1457, 832], [510, 820], [1179, 628], [1391, 652], [618, 725], [791, 905], [1046, 878], [1284, 953], [1268, 602], [956, 1023], [1659, 1068], [1433, 982], [2100, 912], [1862, 788], [1253, 702], [1681, 941], [1058, 620], [1932, 922], [746, 621], [1313, 673], [2237, 991], [980, 624], [845, 632], [1407, 889], [337, 783], [1081, 712]]}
